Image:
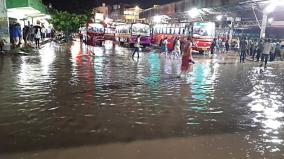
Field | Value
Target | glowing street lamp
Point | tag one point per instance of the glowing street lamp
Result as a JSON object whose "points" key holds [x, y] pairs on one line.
{"points": [[194, 12], [270, 20], [157, 19], [270, 8], [219, 17]]}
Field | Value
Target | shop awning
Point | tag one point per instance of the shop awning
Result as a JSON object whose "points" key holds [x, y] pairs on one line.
{"points": [[25, 8]]}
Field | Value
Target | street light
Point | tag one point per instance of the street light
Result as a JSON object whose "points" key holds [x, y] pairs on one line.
{"points": [[194, 12], [270, 20], [270, 8], [157, 19], [219, 17]]}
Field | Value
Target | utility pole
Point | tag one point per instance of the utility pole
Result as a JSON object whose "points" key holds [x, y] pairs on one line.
{"points": [[263, 25]]}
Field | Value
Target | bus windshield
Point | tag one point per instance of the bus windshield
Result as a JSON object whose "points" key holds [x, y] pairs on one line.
{"points": [[141, 29], [204, 29], [97, 28]]}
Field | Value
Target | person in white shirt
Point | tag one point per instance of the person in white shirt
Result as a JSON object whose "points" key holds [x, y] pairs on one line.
{"points": [[272, 51], [266, 51], [177, 50], [165, 44], [137, 46]]}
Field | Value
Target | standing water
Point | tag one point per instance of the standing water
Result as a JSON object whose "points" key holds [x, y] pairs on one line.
{"points": [[97, 101]]}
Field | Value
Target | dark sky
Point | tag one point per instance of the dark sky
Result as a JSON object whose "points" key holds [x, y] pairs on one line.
{"points": [[83, 5]]}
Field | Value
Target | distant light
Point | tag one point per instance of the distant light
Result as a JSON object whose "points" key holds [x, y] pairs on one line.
{"points": [[270, 20], [276, 2], [270, 8], [157, 19], [194, 12], [137, 8], [219, 17]]}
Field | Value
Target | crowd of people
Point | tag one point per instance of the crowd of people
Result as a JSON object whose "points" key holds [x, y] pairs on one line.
{"points": [[260, 49], [180, 48], [30, 34]]}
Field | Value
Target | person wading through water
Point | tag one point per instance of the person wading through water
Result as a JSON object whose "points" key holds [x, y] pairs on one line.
{"points": [[137, 46], [186, 57]]}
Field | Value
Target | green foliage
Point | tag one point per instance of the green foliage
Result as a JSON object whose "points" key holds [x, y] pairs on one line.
{"points": [[67, 22]]}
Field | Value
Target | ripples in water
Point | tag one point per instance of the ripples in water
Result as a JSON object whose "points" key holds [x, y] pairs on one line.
{"points": [[100, 95]]}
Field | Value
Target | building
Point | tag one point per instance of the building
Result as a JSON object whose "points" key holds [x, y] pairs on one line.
{"points": [[103, 10], [24, 12], [131, 14], [124, 13]]}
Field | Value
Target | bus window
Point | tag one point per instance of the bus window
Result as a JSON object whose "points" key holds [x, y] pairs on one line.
{"points": [[182, 31], [141, 29], [164, 31], [168, 30], [176, 30]]}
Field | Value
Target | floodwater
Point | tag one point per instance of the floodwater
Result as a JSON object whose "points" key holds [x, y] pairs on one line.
{"points": [[79, 102]]}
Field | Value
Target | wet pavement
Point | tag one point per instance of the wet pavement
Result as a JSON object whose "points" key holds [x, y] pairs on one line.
{"points": [[79, 102]]}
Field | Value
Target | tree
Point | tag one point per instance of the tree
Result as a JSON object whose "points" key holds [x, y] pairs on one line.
{"points": [[67, 22]]}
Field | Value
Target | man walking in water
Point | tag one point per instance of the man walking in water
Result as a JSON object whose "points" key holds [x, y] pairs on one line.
{"points": [[136, 46], [243, 49], [265, 53]]}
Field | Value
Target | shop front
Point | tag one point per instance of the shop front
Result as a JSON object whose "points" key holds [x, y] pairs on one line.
{"points": [[21, 13]]}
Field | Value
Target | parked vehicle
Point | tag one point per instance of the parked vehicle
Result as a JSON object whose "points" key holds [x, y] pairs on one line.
{"points": [[203, 34], [127, 34]]}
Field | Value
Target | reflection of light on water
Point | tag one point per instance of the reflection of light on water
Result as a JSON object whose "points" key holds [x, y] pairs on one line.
{"points": [[202, 81], [266, 104], [47, 55], [24, 75], [30, 73], [155, 67]]}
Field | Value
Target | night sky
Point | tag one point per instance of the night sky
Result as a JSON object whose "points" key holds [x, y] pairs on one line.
{"points": [[84, 5]]}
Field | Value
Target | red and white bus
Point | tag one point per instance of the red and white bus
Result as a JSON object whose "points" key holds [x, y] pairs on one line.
{"points": [[160, 31], [203, 34], [127, 34], [97, 33], [94, 34]]}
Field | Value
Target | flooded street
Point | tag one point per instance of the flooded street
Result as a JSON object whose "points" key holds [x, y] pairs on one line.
{"points": [[79, 102]]}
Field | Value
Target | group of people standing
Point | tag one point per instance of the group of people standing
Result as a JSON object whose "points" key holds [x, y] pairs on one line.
{"points": [[29, 34], [177, 46], [220, 45], [264, 49], [180, 48]]}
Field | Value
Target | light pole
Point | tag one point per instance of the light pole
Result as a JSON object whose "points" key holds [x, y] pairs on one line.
{"points": [[269, 9]]}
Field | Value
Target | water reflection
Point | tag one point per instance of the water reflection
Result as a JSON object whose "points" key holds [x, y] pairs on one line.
{"points": [[267, 104], [100, 95]]}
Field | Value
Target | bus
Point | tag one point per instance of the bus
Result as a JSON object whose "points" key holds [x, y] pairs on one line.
{"points": [[109, 33], [160, 31], [202, 33], [127, 34], [97, 33]]}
